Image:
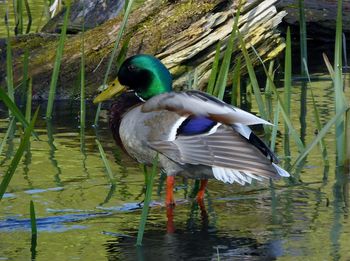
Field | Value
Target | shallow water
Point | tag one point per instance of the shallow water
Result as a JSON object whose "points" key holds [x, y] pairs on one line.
{"points": [[81, 216]]}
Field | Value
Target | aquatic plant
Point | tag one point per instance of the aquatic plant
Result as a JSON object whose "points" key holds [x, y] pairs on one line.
{"points": [[111, 59], [147, 201], [82, 76], [303, 35], [340, 100], [16, 159], [105, 162], [57, 65]]}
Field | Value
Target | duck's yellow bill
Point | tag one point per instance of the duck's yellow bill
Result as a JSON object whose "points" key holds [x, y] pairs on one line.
{"points": [[114, 89]]}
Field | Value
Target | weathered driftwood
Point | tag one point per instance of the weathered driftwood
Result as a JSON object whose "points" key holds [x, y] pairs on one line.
{"points": [[183, 35], [320, 15]]}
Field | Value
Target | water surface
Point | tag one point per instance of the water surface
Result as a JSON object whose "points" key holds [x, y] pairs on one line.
{"points": [[81, 215]]}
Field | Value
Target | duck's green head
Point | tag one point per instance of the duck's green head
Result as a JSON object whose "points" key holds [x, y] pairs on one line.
{"points": [[144, 74]]}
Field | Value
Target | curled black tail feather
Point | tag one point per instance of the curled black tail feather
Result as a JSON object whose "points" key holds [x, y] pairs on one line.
{"points": [[258, 143]]}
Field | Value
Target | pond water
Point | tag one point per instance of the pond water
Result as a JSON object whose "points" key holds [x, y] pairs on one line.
{"points": [[39, 11], [80, 215]]}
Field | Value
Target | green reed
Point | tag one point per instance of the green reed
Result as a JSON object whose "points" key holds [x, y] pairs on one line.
{"points": [[147, 201], [33, 219], [214, 70], [321, 134], [9, 63], [317, 120], [303, 35], [347, 139], [57, 65], [24, 86], [29, 14], [15, 111], [19, 15], [329, 66], [29, 102], [340, 101], [288, 75], [16, 159], [268, 94], [253, 79], [106, 162], [275, 127], [111, 59], [221, 81], [123, 52], [273, 115], [281, 104], [34, 231], [7, 134], [82, 76], [236, 84]]}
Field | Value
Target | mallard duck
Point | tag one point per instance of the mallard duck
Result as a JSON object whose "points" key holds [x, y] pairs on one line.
{"points": [[195, 134]]}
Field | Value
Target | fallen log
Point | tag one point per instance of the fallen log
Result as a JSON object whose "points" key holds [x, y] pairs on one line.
{"points": [[183, 34]]}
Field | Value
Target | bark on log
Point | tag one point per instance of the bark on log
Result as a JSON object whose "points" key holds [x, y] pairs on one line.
{"points": [[183, 35]]}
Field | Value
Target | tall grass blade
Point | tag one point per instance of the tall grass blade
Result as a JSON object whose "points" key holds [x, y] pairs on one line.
{"points": [[221, 82], [147, 201], [123, 52], [126, 3], [319, 136], [269, 93], [29, 102], [25, 71], [14, 110], [33, 219], [14, 163], [253, 79], [33, 230], [105, 162], [8, 131], [286, 118], [345, 52], [338, 87], [288, 75], [319, 126], [275, 127], [9, 68], [236, 84], [329, 66], [57, 65], [317, 120], [82, 75], [214, 70], [19, 23], [303, 35], [29, 14], [111, 59], [347, 127]]}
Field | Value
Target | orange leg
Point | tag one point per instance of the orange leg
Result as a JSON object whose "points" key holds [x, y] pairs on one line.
{"points": [[170, 203], [200, 201], [200, 194], [170, 227], [169, 199]]}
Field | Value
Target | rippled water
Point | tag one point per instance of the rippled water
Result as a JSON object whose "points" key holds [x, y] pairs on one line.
{"points": [[81, 216]]}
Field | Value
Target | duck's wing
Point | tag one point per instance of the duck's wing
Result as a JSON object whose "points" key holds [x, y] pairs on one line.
{"points": [[231, 156], [201, 104]]}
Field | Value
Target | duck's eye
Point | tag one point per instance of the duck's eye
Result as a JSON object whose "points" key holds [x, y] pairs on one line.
{"points": [[131, 68]]}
